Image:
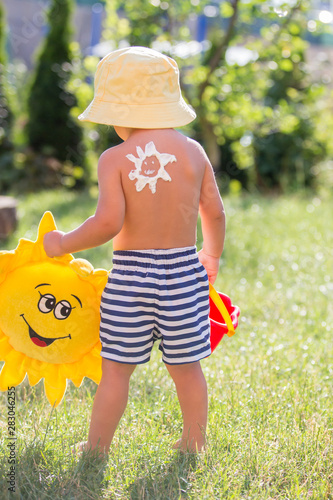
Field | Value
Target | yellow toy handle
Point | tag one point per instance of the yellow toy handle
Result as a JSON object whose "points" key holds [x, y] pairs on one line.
{"points": [[222, 308]]}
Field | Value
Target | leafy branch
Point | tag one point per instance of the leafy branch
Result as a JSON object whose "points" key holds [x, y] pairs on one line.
{"points": [[219, 53]]}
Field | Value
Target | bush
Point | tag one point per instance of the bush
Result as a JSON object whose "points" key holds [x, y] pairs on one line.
{"points": [[285, 161], [52, 131]]}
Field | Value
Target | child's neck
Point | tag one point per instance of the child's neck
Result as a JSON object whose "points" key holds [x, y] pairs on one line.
{"points": [[126, 132]]}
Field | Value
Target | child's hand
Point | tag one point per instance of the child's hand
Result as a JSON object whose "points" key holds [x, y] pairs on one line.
{"points": [[211, 264], [52, 244]]}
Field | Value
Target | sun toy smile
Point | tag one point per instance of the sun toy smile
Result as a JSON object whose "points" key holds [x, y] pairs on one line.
{"points": [[49, 317]]}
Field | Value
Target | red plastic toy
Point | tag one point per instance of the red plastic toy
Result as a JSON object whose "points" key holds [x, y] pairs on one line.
{"points": [[223, 317]]}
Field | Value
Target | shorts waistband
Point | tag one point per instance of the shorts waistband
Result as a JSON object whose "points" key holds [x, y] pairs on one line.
{"points": [[169, 257]]}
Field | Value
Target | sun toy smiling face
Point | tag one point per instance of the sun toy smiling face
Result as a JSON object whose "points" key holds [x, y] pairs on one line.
{"points": [[49, 317]]}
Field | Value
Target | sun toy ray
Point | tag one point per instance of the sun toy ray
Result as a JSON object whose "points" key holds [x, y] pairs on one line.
{"points": [[49, 317]]}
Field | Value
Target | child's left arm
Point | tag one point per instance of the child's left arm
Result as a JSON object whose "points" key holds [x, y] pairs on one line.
{"points": [[104, 224]]}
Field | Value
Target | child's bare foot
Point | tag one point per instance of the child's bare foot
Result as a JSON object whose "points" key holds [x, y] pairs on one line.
{"points": [[184, 446], [177, 444], [78, 448], [83, 447]]}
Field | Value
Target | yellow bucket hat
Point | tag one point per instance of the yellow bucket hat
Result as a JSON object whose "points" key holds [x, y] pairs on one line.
{"points": [[138, 87]]}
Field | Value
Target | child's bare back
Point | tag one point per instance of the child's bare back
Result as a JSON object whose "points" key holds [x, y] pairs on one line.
{"points": [[151, 189], [161, 173]]}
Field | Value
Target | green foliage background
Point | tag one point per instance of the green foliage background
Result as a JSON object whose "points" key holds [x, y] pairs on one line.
{"points": [[269, 104], [261, 121]]}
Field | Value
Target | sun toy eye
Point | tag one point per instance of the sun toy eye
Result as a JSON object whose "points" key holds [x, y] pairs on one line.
{"points": [[46, 303], [63, 309]]}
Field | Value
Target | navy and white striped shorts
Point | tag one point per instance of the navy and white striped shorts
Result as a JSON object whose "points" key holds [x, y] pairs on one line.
{"points": [[156, 295]]}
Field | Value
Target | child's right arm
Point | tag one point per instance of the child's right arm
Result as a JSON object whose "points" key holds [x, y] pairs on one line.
{"points": [[212, 222]]}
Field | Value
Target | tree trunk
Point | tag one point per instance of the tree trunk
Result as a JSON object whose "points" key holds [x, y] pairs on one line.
{"points": [[211, 146], [8, 216]]}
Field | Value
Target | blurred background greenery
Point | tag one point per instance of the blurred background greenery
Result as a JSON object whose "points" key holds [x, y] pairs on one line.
{"points": [[258, 74]]}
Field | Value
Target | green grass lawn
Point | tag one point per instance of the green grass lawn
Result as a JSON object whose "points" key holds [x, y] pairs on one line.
{"points": [[271, 385]]}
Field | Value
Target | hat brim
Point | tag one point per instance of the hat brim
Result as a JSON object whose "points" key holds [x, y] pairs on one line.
{"points": [[146, 116]]}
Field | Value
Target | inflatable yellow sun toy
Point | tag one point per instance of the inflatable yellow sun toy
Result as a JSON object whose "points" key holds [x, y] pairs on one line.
{"points": [[49, 317]]}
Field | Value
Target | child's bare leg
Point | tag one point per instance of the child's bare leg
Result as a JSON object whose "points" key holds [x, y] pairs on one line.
{"points": [[109, 403], [193, 399]]}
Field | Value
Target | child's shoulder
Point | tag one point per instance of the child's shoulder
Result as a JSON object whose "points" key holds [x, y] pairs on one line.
{"points": [[109, 158], [189, 144], [109, 164], [112, 152], [196, 146], [196, 153]]}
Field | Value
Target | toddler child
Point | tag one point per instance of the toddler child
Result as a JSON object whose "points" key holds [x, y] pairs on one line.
{"points": [[151, 189]]}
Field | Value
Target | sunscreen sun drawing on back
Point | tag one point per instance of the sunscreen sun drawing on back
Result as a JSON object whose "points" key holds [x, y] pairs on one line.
{"points": [[147, 170], [49, 317]]}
